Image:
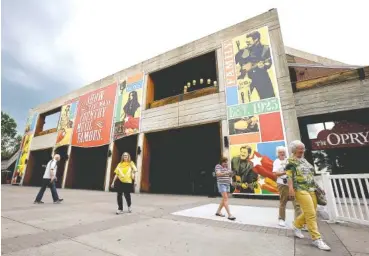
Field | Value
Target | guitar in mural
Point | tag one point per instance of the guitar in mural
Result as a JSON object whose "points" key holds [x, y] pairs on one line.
{"points": [[239, 185], [249, 66]]}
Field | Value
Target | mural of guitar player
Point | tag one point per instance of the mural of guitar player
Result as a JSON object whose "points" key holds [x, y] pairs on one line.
{"points": [[245, 179], [253, 111], [66, 123], [253, 64], [244, 125], [253, 172]]}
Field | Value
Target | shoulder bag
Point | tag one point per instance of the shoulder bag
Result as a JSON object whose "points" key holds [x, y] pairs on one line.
{"points": [[320, 195]]}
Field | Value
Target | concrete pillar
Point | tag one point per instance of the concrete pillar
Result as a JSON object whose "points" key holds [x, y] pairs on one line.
{"points": [[108, 168], [139, 163], [224, 133], [220, 69], [289, 120], [66, 166]]}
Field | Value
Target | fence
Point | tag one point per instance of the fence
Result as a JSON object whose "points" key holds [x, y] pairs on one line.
{"points": [[347, 197]]}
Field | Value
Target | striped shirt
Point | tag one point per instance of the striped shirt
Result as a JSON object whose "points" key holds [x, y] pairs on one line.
{"points": [[222, 179]]}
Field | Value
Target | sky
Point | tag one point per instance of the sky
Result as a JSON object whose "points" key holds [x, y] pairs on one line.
{"points": [[49, 48]]}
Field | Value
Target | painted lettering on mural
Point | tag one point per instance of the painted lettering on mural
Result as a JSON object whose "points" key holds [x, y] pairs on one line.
{"points": [[88, 129], [230, 73], [253, 108], [94, 118], [343, 134]]}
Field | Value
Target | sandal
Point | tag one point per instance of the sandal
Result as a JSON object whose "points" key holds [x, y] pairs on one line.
{"points": [[219, 215], [232, 218]]}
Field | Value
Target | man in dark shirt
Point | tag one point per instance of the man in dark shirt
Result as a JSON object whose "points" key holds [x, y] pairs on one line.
{"points": [[255, 60], [243, 169]]}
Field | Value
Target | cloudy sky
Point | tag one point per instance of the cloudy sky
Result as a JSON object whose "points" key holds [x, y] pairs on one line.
{"points": [[49, 48]]}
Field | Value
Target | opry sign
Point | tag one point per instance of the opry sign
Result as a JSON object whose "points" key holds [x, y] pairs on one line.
{"points": [[342, 135]]}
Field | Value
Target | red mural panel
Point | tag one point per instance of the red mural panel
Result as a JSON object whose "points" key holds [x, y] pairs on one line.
{"points": [[94, 118], [271, 127]]}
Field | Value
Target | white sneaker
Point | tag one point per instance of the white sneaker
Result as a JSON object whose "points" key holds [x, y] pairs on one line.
{"points": [[321, 245], [129, 209], [119, 212], [305, 229], [282, 223], [297, 232]]}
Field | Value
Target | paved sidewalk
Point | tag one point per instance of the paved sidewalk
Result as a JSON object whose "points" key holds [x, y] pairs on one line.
{"points": [[86, 224]]}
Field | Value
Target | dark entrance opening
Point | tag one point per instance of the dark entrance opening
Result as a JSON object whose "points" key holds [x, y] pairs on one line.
{"points": [[7, 174], [182, 160], [63, 152], [126, 144], [337, 143], [36, 164], [87, 167]]}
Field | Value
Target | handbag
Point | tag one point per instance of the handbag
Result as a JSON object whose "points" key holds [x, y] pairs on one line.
{"points": [[320, 195]]}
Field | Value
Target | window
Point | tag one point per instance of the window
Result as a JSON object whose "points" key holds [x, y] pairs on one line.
{"points": [[48, 122], [190, 76]]}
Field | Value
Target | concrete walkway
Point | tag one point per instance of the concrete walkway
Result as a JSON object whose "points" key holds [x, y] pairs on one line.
{"points": [[86, 224]]}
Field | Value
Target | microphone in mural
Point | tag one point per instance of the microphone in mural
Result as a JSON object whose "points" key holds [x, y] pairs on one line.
{"points": [[243, 97]]}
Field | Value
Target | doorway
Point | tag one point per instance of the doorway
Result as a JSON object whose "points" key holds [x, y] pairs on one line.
{"points": [[63, 152], [182, 160], [126, 144], [87, 168], [36, 165]]}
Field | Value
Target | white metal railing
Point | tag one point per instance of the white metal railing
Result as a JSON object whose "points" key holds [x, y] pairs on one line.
{"points": [[347, 197]]}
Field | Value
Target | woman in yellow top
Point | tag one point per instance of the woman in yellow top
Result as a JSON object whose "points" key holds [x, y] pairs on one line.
{"points": [[125, 173]]}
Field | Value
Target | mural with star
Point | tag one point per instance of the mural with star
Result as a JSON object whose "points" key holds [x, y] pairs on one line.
{"points": [[252, 94], [128, 107]]}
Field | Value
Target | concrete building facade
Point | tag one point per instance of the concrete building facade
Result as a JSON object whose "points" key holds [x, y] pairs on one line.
{"points": [[172, 116]]}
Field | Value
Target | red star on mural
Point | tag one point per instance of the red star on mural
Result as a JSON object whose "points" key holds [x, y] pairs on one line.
{"points": [[263, 166]]}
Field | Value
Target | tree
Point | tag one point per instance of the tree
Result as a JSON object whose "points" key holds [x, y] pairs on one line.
{"points": [[10, 141]]}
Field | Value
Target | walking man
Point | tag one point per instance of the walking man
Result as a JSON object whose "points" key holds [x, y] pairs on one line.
{"points": [[49, 179]]}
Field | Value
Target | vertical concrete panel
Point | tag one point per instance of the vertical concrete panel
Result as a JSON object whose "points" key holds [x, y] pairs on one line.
{"points": [[292, 131], [108, 168], [66, 167], [224, 132], [220, 69], [139, 163]]}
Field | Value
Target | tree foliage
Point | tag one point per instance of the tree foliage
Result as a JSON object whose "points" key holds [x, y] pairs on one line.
{"points": [[10, 140]]}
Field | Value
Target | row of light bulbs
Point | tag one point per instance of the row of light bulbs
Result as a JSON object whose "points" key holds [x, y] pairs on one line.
{"points": [[189, 86]]}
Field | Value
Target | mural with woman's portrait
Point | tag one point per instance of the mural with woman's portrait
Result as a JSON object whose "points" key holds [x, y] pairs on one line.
{"points": [[128, 107]]}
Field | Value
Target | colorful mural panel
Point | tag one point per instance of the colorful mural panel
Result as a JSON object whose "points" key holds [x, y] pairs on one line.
{"points": [[128, 107], [66, 124], [94, 118], [253, 112], [21, 164]]}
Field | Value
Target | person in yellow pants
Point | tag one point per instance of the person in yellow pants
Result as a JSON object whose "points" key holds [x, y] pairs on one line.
{"points": [[302, 187]]}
